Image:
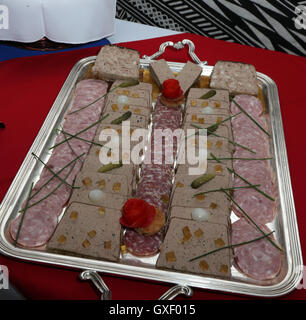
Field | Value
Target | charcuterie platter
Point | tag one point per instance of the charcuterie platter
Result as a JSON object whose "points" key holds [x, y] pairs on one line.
{"points": [[174, 172]]}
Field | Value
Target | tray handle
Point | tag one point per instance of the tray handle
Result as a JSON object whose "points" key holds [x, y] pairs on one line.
{"points": [[175, 291], [106, 294], [178, 45]]}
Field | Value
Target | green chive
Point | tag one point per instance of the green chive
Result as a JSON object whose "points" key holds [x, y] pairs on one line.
{"points": [[218, 123], [54, 173], [234, 143], [246, 159], [49, 194], [121, 85], [229, 140], [232, 246], [249, 116], [70, 147], [221, 189], [78, 133], [253, 222], [215, 158], [260, 191], [23, 214], [213, 127], [58, 172], [130, 83], [81, 139]]}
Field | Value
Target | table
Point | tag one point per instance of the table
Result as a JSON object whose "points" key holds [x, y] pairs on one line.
{"points": [[33, 92]]}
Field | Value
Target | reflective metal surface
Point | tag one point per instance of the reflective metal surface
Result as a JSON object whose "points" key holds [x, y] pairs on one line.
{"points": [[285, 223]]}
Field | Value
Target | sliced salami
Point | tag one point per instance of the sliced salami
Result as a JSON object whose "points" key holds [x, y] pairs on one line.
{"points": [[40, 219], [140, 245], [37, 227], [256, 172], [259, 260]]}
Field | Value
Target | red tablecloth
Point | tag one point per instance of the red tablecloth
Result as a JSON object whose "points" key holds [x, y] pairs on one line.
{"points": [[28, 89]]}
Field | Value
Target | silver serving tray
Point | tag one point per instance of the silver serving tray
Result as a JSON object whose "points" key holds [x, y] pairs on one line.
{"points": [[284, 224]]}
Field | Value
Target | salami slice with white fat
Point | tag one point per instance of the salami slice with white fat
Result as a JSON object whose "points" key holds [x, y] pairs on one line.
{"points": [[155, 184], [140, 245], [41, 217], [37, 227], [259, 260], [256, 172]]}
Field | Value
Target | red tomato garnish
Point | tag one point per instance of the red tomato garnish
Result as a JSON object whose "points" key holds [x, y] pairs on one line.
{"points": [[137, 213], [171, 89]]}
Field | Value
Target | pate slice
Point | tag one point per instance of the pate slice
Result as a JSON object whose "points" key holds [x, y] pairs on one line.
{"points": [[207, 106], [220, 95], [237, 77], [189, 75], [136, 120], [213, 200], [114, 62], [187, 239], [89, 231], [216, 215]]}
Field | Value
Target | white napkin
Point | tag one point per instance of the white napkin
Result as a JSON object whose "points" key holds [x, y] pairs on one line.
{"points": [[67, 21]]}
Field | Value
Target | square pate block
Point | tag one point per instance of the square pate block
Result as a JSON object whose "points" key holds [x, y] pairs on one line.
{"points": [[88, 231], [187, 239], [237, 77], [114, 62], [197, 93]]}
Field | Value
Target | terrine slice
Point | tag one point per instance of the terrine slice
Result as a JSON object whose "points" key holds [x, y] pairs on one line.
{"points": [[237, 77], [197, 93], [114, 62], [160, 71], [88, 231], [189, 75], [187, 239]]}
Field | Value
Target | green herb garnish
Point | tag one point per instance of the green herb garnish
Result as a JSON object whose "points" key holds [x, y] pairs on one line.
{"points": [[23, 214], [227, 189], [250, 219], [246, 159], [54, 173], [110, 166], [121, 85], [130, 83], [58, 186], [229, 140], [122, 118], [243, 179], [208, 94], [249, 116], [58, 172], [50, 193], [198, 182], [78, 133], [215, 158], [232, 246], [213, 127], [70, 147], [216, 125], [81, 139]]}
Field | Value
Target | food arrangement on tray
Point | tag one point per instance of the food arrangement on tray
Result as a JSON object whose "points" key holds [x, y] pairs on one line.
{"points": [[208, 218]]}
